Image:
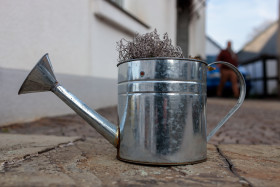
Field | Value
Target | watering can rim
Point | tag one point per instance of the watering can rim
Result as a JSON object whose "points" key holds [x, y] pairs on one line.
{"points": [[162, 58]]}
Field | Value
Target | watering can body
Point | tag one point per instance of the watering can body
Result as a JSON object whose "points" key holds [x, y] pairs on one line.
{"points": [[161, 109], [166, 114]]}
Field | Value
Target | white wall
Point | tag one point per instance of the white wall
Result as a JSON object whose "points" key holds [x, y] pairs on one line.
{"points": [[115, 25], [80, 37], [95, 92], [30, 28], [159, 14], [109, 25], [197, 31], [103, 53]]}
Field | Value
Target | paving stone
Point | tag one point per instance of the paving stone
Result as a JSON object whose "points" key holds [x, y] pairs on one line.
{"points": [[16, 146], [93, 162], [38, 160], [258, 164]]}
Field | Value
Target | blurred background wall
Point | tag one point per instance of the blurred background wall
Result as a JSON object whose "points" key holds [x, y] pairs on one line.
{"points": [[80, 37]]}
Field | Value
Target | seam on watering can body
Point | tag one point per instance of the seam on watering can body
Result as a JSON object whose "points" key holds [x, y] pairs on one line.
{"points": [[162, 81], [162, 58], [169, 93]]}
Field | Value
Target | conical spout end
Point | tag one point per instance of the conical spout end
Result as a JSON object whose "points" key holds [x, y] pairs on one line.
{"points": [[40, 79]]}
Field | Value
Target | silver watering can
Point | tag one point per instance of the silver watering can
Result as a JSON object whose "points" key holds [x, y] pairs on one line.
{"points": [[161, 107]]}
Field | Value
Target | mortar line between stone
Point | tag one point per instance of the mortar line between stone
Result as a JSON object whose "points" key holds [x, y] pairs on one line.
{"points": [[231, 166]]}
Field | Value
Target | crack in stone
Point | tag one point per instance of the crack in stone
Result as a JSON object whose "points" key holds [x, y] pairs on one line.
{"points": [[242, 180], [4, 166]]}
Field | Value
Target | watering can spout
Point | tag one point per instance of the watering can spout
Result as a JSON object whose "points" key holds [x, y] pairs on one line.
{"points": [[42, 78]]}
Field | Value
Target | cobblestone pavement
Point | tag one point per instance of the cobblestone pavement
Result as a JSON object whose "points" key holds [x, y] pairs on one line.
{"points": [[256, 122]]}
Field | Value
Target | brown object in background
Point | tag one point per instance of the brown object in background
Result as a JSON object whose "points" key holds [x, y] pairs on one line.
{"points": [[227, 55]]}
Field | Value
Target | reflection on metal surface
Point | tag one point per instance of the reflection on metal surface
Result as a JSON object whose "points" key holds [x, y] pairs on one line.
{"points": [[166, 121], [40, 79]]}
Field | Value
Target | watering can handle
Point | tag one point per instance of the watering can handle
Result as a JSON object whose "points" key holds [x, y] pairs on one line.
{"points": [[239, 101]]}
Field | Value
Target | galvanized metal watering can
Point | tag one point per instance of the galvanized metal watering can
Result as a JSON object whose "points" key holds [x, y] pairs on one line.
{"points": [[161, 108]]}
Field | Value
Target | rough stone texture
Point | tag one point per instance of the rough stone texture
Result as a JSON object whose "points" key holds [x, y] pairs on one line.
{"points": [[68, 125], [93, 162], [40, 160], [259, 164], [256, 122], [14, 146]]}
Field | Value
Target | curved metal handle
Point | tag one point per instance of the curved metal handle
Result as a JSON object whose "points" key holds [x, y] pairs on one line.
{"points": [[240, 99]]}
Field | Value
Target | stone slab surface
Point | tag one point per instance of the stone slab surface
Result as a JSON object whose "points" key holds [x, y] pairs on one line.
{"points": [[256, 122], [259, 164], [92, 162], [17, 146], [35, 159]]}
